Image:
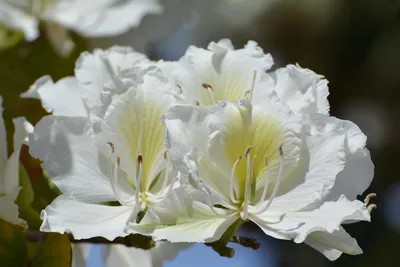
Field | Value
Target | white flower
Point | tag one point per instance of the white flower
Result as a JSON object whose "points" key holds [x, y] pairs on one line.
{"points": [[90, 18], [9, 168], [116, 153], [275, 157], [122, 256], [83, 90]]}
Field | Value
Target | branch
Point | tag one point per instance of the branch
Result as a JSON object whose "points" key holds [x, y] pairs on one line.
{"points": [[139, 241]]}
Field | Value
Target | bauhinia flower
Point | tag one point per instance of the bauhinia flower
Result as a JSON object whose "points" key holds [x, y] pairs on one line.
{"points": [[90, 18], [9, 167], [274, 157], [114, 154]]}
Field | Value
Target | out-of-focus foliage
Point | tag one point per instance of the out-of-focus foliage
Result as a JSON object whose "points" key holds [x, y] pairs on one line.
{"points": [[54, 251], [8, 38], [13, 249]]}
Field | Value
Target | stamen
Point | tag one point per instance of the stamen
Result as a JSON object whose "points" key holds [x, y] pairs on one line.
{"points": [[139, 180], [197, 103], [246, 189], [262, 208], [371, 207], [165, 154], [368, 198], [266, 181], [233, 181], [108, 66], [180, 88], [112, 146], [210, 92]]}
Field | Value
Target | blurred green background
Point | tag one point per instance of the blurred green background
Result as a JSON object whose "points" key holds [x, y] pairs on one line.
{"points": [[354, 44]]}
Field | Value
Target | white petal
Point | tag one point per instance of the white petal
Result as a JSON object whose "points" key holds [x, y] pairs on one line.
{"points": [[301, 89], [84, 220], [229, 72], [332, 245], [8, 208], [11, 172], [80, 254], [18, 20], [94, 69], [71, 159], [327, 218], [359, 170], [122, 256], [3, 140], [321, 159], [94, 18], [178, 219], [54, 95]]}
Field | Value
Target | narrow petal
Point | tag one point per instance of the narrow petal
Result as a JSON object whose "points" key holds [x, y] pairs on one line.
{"points": [[84, 220], [71, 159], [11, 172], [332, 245]]}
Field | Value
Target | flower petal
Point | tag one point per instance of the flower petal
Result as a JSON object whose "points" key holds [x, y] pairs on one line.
{"points": [[53, 96], [179, 219], [71, 159], [92, 70], [229, 72], [80, 254], [332, 245], [301, 89], [357, 175], [298, 225], [321, 159], [8, 208], [84, 220]]}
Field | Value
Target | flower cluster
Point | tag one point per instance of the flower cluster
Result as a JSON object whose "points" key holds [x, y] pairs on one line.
{"points": [[187, 151]]}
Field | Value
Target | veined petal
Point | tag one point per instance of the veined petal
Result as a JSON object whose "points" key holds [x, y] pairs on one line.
{"points": [[332, 245], [53, 96], [85, 220], [179, 219], [229, 73], [297, 225], [322, 157], [71, 159], [93, 70]]}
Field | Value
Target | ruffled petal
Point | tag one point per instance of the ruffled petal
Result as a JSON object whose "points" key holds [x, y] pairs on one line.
{"points": [[93, 70], [85, 220], [71, 159], [300, 224], [53, 96]]}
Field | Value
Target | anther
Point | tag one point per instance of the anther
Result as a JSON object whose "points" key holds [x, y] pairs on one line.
{"points": [[112, 146], [165, 154], [371, 207], [139, 159], [281, 150], [197, 103], [266, 160], [207, 86], [118, 161], [180, 88], [247, 151], [368, 198]]}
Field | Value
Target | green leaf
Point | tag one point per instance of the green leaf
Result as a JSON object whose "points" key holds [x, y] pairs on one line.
{"points": [[54, 251], [13, 249], [9, 38]]}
